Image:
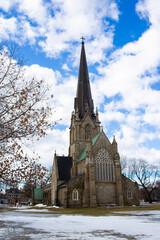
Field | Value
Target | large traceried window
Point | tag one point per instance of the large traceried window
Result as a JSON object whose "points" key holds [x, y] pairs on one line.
{"points": [[104, 167]]}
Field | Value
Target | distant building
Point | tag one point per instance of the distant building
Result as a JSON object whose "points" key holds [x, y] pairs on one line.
{"points": [[3, 198], [37, 196], [90, 175], [15, 196]]}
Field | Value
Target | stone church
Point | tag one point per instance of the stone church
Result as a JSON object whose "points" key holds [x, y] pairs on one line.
{"points": [[90, 175]]}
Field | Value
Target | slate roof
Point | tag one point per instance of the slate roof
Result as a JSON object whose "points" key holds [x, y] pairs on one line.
{"points": [[64, 167], [47, 186], [83, 154], [65, 184], [83, 101]]}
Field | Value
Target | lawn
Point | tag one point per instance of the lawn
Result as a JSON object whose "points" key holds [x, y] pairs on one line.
{"points": [[99, 211], [41, 223]]}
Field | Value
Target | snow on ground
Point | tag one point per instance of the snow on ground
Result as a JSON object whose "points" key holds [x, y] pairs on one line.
{"points": [[26, 206], [31, 210], [40, 205], [142, 225]]}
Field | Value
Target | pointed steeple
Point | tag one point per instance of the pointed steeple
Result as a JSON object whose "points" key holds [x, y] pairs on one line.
{"points": [[83, 100]]}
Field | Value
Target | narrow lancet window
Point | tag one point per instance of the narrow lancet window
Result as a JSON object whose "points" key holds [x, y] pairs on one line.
{"points": [[75, 195], [87, 132], [129, 194]]}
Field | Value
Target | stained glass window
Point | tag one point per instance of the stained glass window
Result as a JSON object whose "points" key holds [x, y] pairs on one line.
{"points": [[104, 167]]}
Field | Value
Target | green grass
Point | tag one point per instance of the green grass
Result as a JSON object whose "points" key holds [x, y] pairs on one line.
{"points": [[99, 211]]}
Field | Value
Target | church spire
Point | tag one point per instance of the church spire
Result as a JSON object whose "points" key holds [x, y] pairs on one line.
{"points": [[83, 100]]}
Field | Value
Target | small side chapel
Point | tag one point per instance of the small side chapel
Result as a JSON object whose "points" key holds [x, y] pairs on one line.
{"points": [[90, 175]]}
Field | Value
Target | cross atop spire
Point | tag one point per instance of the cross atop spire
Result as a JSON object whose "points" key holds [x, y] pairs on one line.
{"points": [[83, 38], [83, 101]]}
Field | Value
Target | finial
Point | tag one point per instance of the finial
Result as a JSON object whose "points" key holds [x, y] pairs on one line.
{"points": [[114, 139], [101, 128], [83, 38], [97, 118], [114, 144]]}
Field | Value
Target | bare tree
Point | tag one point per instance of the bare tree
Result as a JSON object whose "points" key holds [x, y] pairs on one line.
{"points": [[28, 189], [126, 166], [143, 173], [23, 115]]}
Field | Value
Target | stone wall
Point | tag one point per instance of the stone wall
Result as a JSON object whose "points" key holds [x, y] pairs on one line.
{"points": [[105, 193], [47, 196], [78, 184], [81, 166], [130, 191], [62, 197], [54, 182]]}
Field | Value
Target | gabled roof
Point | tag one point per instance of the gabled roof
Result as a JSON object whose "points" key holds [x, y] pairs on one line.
{"points": [[83, 154], [64, 167]]}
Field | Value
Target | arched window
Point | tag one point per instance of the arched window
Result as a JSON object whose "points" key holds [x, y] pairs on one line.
{"points": [[75, 194], [87, 131], [104, 167], [129, 194]]}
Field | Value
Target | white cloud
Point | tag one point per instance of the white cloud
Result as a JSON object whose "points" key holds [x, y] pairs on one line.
{"points": [[65, 67], [35, 10], [149, 9], [64, 100], [111, 115], [28, 33], [8, 27], [76, 18], [113, 11], [6, 4], [59, 23], [152, 116], [18, 30], [42, 73], [56, 140]]}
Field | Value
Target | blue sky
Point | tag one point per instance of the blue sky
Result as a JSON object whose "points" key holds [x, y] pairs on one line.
{"points": [[122, 47]]}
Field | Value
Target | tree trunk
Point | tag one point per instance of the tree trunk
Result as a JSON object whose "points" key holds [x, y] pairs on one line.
{"points": [[149, 195]]}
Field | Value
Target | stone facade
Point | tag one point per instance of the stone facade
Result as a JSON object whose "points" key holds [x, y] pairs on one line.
{"points": [[106, 193], [91, 174], [130, 190], [47, 195]]}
